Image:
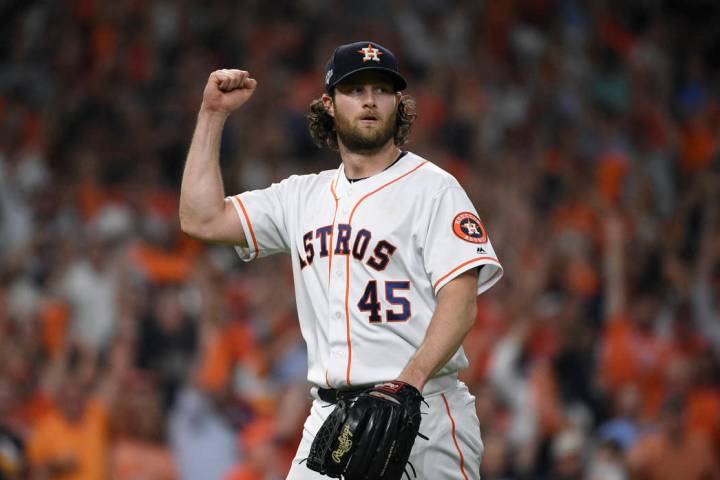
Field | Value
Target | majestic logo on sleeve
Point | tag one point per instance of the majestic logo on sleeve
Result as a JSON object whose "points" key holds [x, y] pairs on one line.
{"points": [[468, 226], [370, 53]]}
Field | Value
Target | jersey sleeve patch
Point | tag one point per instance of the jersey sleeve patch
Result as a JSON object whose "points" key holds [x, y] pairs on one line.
{"points": [[467, 226]]}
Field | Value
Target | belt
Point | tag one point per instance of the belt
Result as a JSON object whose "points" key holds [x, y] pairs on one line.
{"points": [[434, 386], [332, 395]]}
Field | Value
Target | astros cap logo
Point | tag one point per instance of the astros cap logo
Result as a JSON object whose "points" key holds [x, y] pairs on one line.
{"points": [[370, 53], [468, 227], [363, 55]]}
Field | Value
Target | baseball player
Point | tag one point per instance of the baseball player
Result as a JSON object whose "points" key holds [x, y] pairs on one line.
{"points": [[388, 253]]}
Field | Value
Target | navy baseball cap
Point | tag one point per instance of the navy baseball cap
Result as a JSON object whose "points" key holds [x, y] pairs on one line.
{"points": [[359, 56]]}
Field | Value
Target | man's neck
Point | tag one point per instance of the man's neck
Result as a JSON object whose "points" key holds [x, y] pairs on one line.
{"points": [[363, 164]]}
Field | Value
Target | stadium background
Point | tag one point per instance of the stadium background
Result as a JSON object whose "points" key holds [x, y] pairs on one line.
{"points": [[586, 134]]}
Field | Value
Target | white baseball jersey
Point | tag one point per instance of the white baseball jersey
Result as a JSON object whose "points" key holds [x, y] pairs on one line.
{"points": [[368, 258]]}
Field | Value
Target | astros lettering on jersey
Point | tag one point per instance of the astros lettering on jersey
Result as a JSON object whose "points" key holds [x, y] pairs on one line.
{"points": [[368, 258]]}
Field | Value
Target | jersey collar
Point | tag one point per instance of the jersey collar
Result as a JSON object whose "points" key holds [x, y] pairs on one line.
{"points": [[405, 162]]}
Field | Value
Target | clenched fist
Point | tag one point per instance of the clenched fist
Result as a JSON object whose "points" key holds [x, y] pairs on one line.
{"points": [[227, 90]]}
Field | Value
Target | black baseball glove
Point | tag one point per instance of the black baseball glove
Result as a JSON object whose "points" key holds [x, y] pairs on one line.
{"points": [[369, 435]]}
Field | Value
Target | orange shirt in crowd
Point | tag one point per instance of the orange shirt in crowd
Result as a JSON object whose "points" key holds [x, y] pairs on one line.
{"points": [[581, 278], [229, 345], [54, 320], [702, 413], [263, 457], [490, 324], [698, 146], [243, 473], [91, 197], [159, 265], [545, 398], [630, 356], [132, 459], [576, 216], [611, 171], [657, 457], [85, 442], [30, 411]]}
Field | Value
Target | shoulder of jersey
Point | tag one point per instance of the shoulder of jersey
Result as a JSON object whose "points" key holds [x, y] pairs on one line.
{"points": [[435, 177], [307, 179]]}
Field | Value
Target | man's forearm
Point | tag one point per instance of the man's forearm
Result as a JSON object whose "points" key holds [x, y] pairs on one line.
{"points": [[204, 213], [451, 322], [202, 195]]}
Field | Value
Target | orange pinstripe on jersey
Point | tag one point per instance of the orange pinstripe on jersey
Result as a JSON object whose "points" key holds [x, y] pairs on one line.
{"points": [[380, 188], [347, 267], [252, 232], [460, 266], [332, 231], [454, 437], [347, 318]]}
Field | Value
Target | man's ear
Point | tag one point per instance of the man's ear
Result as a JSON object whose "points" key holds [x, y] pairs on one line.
{"points": [[329, 104]]}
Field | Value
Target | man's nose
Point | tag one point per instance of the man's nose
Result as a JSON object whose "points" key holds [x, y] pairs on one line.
{"points": [[368, 96]]}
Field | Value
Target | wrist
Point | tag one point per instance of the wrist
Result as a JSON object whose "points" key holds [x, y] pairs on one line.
{"points": [[212, 114], [415, 379]]}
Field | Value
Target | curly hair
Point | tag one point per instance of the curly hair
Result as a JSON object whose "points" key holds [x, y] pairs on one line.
{"points": [[322, 125]]}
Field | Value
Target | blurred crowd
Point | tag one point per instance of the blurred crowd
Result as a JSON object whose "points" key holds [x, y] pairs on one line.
{"points": [[586, 133]]}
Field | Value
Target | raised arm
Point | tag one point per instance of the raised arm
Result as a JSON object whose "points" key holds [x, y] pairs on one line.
{"points": [[204, 213]]}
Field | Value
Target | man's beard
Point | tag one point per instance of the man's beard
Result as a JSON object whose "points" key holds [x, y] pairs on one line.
{"points": [[361, 140]]}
